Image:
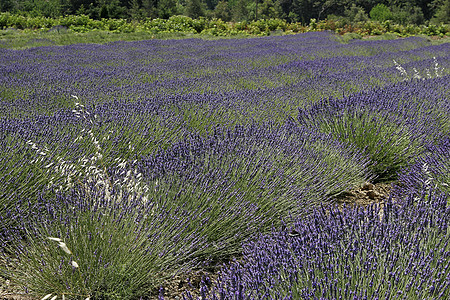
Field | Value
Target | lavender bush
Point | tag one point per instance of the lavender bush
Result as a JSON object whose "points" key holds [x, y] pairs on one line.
{"points": [[122, 250], [393, 252], [260, 174], [393, 128]]}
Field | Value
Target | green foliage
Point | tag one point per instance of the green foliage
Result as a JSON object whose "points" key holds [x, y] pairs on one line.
{"points": [[240, 11], [407, 15], [79, 20], [166, 8], [117, 250], [380, 13], [387, 144], [237, 10], [350, 36], [356, 14], [6, 5], [442, 15], [215, 26], [222, 11], [8, 20], [194, 9]]}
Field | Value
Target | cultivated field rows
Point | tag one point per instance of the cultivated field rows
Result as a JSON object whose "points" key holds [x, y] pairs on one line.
{"points": [[122, 165]]}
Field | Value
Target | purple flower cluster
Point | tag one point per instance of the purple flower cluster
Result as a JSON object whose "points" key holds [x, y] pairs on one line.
{"points": [[430, 171], [393, 124], [283, 162], [390, 252]]}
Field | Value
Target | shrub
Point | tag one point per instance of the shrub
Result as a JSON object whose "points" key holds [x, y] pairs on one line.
{"points": [[398, 252], [123, 250], [117, 244], [380, 13], [378, 133], [356, 14], [442, 15]]}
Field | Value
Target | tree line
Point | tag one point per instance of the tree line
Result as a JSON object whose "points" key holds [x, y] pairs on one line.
{"points": [[399, 11]]}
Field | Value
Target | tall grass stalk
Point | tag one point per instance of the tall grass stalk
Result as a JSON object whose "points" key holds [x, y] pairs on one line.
{"points": [[90, 170]]}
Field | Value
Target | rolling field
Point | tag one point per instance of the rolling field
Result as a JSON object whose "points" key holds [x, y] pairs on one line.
{"points": [[125, 164]]}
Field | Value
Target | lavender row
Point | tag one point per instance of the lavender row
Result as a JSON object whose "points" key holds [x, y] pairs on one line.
{"points": [[390, 252], [155, 71], [271, 166], [202, 198]]}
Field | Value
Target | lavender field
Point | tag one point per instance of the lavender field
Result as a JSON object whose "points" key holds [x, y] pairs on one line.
{"points": [[125, 164]]}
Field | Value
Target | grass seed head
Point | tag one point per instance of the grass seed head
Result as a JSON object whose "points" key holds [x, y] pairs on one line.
{"points": [[64, 247], [54, 239], [74, 264]]}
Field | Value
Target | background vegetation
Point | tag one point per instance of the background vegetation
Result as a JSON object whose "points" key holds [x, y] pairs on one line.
{"points": [[21, 32], [404, 12], [27, 24]]}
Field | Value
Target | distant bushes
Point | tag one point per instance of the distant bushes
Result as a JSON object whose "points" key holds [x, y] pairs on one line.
{"points": [[381, 13], [216, 27]]}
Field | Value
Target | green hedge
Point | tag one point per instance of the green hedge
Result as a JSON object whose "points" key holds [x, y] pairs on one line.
{"points": [[217, 27]]}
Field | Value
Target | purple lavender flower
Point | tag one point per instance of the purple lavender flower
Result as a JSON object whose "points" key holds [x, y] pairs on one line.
{"points": [[399, 252]]}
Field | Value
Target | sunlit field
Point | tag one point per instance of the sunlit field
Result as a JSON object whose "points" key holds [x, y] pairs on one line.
{"points": [[127, 163]]}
